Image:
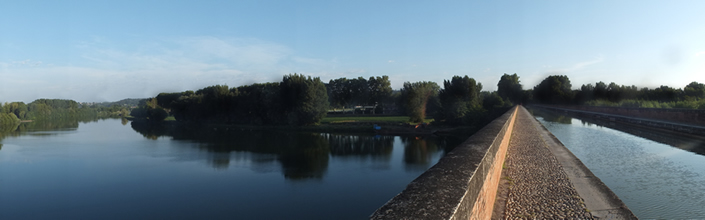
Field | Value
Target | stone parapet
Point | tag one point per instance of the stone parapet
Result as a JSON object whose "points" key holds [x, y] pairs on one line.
{"points": [[463, 184]]}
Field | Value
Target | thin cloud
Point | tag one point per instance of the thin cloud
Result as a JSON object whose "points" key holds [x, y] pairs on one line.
{"points": [[576, 67], [582, 65], [104, 74], [26, 62], [701, 53]]}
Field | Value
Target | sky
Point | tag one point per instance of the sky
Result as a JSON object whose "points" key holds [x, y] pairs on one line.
{"points": [[94, 51]]}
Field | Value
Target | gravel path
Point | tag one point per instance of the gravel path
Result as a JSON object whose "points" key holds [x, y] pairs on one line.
{"points": [[538, 186]]}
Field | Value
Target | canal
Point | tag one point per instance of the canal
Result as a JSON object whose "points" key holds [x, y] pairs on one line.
{"points": [[110, 169], [658, 175]]}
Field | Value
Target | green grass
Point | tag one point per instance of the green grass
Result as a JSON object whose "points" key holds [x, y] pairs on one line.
{"points": [[372, 119]]}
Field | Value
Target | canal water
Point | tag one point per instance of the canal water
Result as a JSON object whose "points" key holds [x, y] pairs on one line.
{"points": [[658, 175], [112, 170]]}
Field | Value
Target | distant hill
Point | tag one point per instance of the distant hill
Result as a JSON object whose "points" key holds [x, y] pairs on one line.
{"points": [[124, 102]]}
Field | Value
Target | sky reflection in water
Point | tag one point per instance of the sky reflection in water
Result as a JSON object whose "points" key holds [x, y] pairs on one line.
{"points": [[653, 179], [107, 170]]}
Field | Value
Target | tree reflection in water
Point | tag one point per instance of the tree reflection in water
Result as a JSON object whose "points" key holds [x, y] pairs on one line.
{"points": [[692, 143], [552, 117], [39, 125], [361, 146], [417, 152], [301, 155]]}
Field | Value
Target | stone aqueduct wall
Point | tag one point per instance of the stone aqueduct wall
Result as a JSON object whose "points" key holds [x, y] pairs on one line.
{"points": [[463, 184], [686, 116]]}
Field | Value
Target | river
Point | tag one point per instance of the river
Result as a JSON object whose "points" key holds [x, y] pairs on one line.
{"points": [[112, 170], [658, 175]]}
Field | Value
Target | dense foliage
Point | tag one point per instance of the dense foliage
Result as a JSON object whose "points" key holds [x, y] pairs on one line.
{"points": [[556, 90], [42, 109], [345, 92], [11, 114], [297, 100], [460, 101], [301, 100], [415, 98], [510, 89], [305, 100]]}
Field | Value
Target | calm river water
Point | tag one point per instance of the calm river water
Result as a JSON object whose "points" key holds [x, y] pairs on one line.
{"points": [[661, 177], [108, 169]]}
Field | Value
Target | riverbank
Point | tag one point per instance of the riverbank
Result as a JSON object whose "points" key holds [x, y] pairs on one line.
{"points": [[393, 125]]}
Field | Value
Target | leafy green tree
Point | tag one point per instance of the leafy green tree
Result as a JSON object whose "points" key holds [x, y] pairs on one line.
{"points": [[664, 93], [167, 99], [360, 91], [149, 109], [380, 89], [614, 92], [305, 99], [554, 90], [345, 92], [695, 90], [19, 109], [459, 97], [509, 88], [259, 104], [493, 100], [586, 93], [600, 90], [415, 98], [340, 92], [8, 121]]}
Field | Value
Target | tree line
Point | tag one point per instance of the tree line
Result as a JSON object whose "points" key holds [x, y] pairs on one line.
{"points": [[301, 100], [53, 109], [557, 90], [296, 100]]}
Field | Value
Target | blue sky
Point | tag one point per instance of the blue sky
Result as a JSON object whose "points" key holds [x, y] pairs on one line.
{"points": [[110, 50]]}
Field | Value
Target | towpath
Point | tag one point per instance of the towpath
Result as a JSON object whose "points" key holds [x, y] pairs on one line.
{"points": [[543, 180]]}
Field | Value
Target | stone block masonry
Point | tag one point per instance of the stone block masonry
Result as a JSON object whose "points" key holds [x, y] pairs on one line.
{"points": [[463, 184], [546, 181]]}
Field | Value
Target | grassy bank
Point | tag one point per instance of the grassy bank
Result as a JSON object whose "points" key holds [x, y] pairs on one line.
{"points": [[390, 125]]}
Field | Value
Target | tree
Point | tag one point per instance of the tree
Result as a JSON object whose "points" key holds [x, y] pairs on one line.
{"points": [[149, 109], [415, 97], [665, 93], [509, 88], [305, 99], [19, 109], [166, 99], [600, 91], [586, 93], [554, 90], [459, 97], [360, 91], [695, 90], [380, 89], [259, 103], [340, 92]]}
